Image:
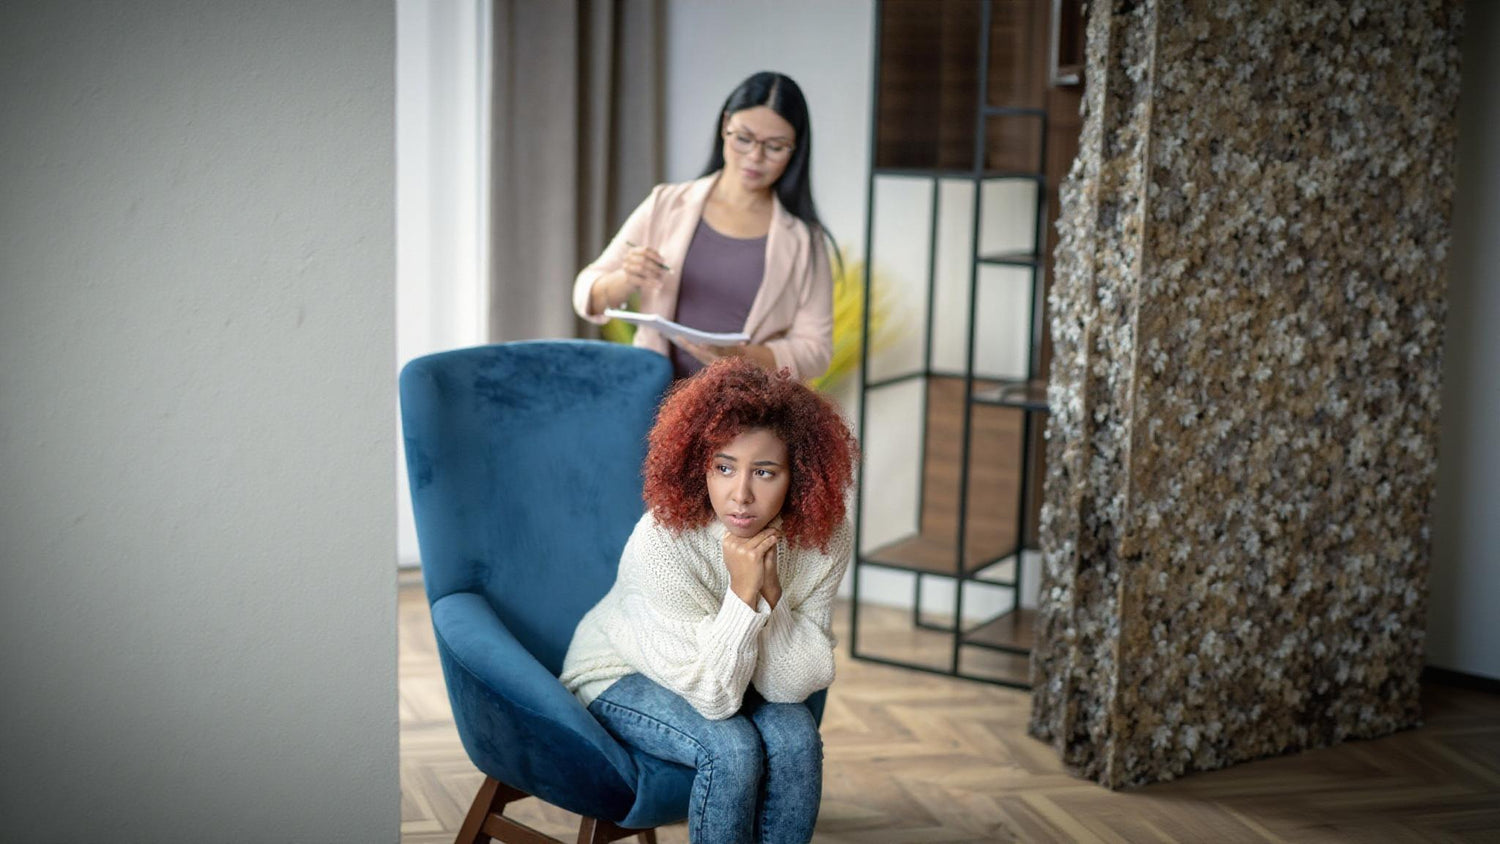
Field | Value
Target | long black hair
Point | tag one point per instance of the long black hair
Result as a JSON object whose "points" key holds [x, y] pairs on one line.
{"points": [[779, 93]]}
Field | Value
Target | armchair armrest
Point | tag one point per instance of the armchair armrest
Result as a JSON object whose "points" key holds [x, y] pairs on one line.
{"points": [[518, 723]]}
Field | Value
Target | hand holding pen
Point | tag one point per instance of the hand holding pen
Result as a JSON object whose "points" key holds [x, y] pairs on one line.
{"points": [[650, 254], [642, 269]]}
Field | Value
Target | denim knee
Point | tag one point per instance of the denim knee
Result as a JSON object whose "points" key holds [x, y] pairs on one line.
{"points": [[790, 734], [734, 750]]}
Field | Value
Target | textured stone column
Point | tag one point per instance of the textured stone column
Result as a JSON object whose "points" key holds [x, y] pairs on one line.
{"points": [[1247, 318]]}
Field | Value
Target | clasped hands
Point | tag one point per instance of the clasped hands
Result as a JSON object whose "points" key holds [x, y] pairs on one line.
{"points": [[752, 566]]}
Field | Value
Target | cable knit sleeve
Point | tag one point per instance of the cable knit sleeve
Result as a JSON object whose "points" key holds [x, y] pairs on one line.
{"points": [[678, 630], [796, 645]]}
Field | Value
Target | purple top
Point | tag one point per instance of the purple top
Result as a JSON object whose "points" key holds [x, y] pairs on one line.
{"points": [[720, 277]]}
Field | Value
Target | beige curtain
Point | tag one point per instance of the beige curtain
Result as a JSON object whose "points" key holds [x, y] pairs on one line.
{"points": [[577, 143]]}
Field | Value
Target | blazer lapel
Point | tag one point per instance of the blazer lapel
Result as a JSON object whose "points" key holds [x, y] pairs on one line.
{"points": [[781, 252], [680, 224]]}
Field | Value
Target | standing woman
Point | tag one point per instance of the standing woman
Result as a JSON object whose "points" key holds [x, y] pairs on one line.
{"points": [[739, 249]]}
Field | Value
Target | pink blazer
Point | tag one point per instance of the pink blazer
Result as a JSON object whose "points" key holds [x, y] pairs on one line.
{"points": [[793, 312]]}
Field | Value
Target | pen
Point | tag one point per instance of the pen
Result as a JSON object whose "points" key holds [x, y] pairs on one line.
{"points": [[632, 244]]}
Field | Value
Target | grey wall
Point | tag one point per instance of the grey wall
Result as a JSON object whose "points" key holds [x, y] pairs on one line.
{"points": [[197, 596], [1463, 628]]}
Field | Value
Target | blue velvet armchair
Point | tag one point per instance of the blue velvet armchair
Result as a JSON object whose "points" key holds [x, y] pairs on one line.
{"points": [[525, 469], [524, 461]]}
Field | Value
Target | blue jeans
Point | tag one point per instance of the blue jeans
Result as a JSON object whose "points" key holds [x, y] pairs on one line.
{"points": [[760, 771]]}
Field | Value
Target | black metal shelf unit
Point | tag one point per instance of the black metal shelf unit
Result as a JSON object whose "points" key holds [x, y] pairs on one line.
{"points": [[957, 560]]}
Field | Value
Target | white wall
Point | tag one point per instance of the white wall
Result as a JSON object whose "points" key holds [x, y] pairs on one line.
{"points": [[442, 169], [197, 594], [1463, 627]]}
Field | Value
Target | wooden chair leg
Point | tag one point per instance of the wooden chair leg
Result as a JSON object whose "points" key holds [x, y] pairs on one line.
{"points": [[484, 803], [488, 802], [596, 831], [486, 821]]}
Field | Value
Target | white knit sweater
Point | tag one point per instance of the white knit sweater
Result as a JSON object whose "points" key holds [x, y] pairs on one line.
{"points": [[672, 617]]}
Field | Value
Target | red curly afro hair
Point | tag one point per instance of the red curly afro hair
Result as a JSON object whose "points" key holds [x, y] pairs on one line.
{"points": [[726, 399]]}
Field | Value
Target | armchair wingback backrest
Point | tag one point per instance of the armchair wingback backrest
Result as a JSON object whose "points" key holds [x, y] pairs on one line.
{"points": [[525, 468]]}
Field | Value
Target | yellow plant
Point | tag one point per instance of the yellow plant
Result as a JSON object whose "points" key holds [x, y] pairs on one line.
{"points": [[618, 331], [848, 319]]}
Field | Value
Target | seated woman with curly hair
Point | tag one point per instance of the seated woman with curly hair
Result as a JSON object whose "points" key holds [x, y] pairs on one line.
{"points": [[718, 626]]}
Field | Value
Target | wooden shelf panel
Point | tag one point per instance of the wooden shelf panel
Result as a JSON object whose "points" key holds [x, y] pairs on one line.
{"points": [[1012, 259], [1029, 395], [928, 84], [994, 467], [960, 173], [1013, 111], [995, 455], [1009, 631], [991, 666], [934, 555]]}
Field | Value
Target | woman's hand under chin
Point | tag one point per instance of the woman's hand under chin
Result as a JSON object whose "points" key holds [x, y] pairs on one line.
{"points": [[770, 587], [746, 559]]}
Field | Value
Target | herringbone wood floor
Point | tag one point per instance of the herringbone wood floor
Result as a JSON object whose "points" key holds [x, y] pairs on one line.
{"points": [[912, 757]]}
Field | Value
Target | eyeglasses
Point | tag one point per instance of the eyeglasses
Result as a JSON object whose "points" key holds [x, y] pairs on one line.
{"points": [[743, 143]]}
